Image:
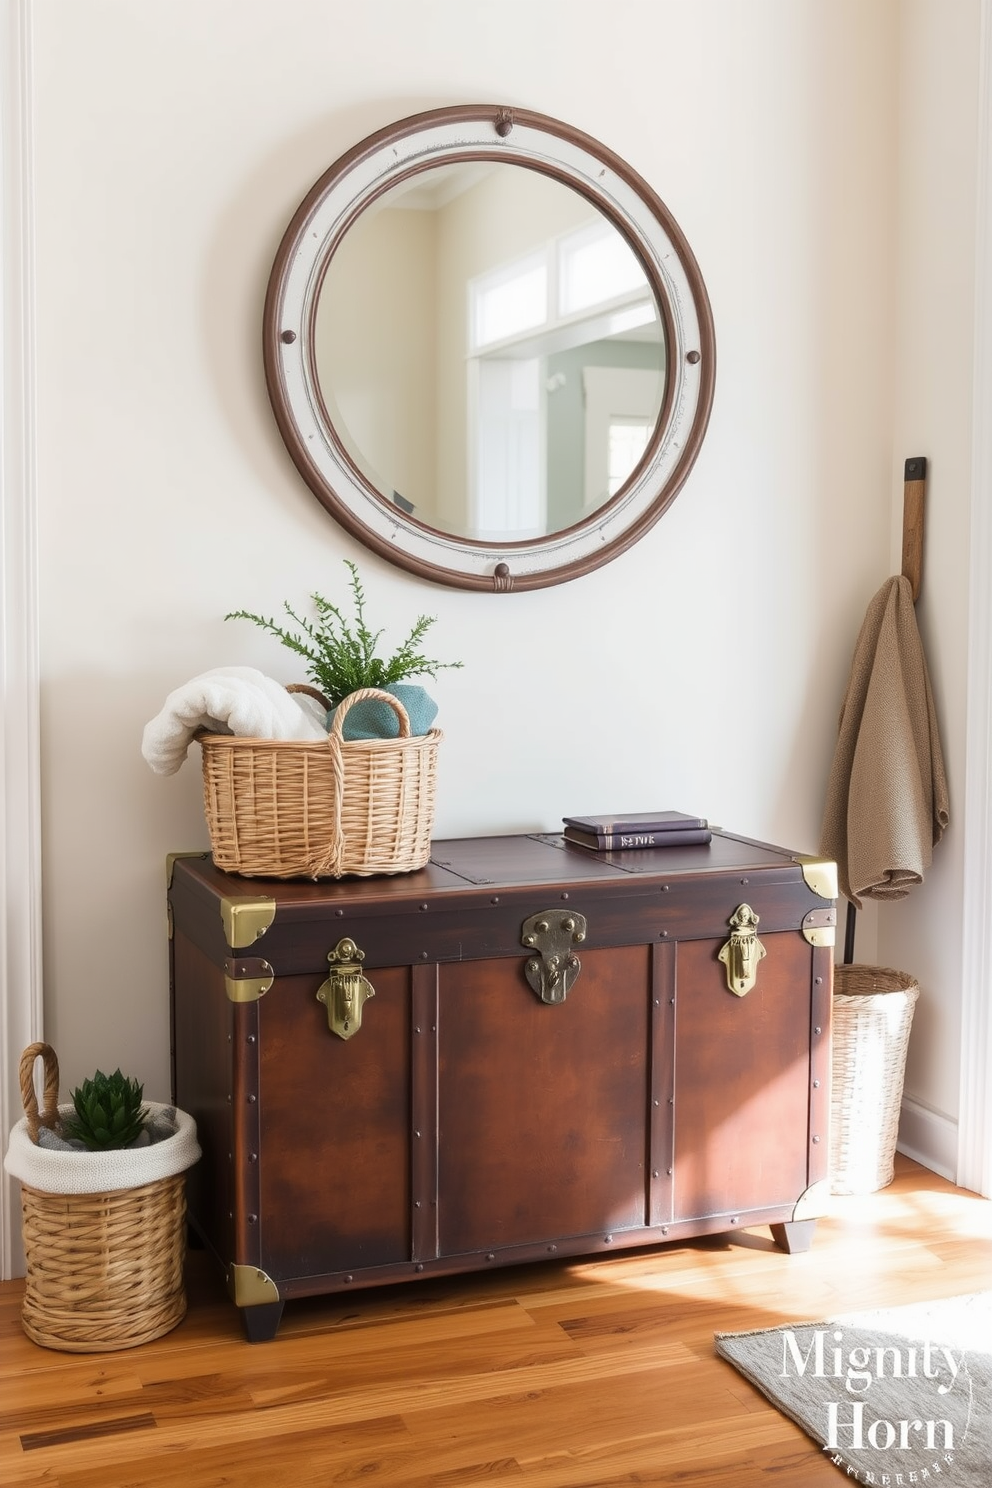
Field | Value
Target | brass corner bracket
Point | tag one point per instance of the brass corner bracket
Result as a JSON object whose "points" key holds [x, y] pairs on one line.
{"points": [[820, 927], [819, 875], [247, 1286], [246, 919], [247, 980], [813, 1202], [172, 858]]}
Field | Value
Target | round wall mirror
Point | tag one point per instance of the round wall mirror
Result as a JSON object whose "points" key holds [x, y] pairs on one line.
{"points": [[489, 348]]}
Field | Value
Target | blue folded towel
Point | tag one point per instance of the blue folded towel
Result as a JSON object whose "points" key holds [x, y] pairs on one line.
{"points": [[373, 719]]}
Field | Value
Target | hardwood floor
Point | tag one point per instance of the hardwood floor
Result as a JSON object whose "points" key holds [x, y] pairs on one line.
{"points": [[563, 1375]]}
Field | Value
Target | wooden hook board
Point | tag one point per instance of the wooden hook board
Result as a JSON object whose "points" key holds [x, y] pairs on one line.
{"points": [[913, 504]]}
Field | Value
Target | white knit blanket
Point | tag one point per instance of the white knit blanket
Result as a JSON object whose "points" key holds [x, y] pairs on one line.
{"points": [[101, 1172], [228, 700]]}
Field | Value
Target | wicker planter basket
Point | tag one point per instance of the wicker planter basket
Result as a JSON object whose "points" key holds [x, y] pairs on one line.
{"points": [[872, 1017], [105, 1249], [284, 809]]}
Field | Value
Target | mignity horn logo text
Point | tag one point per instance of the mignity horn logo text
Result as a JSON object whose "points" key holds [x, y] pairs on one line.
{"points": [[860, 1428], [895, 1396]]}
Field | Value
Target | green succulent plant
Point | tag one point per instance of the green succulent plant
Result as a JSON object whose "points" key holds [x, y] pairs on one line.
{"points": [[341, 655], [108, 1112]]}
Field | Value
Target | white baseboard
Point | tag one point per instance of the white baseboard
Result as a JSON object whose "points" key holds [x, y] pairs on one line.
{"points": [[928, 1137]]}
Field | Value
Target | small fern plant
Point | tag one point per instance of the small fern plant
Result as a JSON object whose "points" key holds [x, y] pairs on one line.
{"points": [[341, 654], [107, 1112]]}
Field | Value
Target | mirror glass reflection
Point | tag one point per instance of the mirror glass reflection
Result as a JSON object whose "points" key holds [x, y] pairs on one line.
{"points": [[489, 351]]}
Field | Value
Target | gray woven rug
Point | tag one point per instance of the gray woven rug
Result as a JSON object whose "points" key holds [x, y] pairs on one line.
{"points": [[897, 1396]]}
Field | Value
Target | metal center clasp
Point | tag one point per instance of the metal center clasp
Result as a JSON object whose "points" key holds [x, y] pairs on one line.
{"points": [[346, 990], [553, 971], [742, 951]]}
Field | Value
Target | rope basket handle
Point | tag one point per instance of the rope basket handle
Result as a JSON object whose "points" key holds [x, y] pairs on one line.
{"points": [[359, 697], [50, 1114]]}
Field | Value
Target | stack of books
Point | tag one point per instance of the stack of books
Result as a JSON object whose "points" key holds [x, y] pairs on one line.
{"points": [[651, 829]]}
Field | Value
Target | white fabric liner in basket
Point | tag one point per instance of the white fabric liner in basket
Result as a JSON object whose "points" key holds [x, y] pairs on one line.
{"points": [[102, 1172]]}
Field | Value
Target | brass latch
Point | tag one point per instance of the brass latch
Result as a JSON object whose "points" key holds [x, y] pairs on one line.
{"points": [[346, 990], [552, 934], [742, 951]]}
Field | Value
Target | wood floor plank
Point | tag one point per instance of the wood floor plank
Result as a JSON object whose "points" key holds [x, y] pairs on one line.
{"points": [[668, 1453], [297, 1459], [33, 1441], [576, 1374]]}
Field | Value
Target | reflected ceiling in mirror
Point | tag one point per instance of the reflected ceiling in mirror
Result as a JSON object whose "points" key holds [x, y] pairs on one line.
{"points": [[488, 348]]}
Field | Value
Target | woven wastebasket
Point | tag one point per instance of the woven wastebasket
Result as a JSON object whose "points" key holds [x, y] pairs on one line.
{"points": [[282, 808], [872, 1018], [104, 1232]]}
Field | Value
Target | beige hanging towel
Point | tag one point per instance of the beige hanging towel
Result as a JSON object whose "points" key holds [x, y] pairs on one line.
{"points": [[887, 801]]}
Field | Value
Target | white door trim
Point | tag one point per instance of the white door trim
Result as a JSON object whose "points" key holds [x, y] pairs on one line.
{"points": [[974, 1168], [20, 766]]}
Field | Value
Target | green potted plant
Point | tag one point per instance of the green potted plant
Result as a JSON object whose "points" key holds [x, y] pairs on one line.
{"points": [[107, 1113], [341, 657], [104, 1209]]}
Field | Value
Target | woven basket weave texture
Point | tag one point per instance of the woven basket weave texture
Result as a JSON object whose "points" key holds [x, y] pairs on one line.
{"points": [[286, 809], [872, 1019], [104, 1269]]}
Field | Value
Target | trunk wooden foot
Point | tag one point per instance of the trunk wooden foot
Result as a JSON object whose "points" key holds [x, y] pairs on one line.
{"points": [[262, 1321], [794, 1235]]}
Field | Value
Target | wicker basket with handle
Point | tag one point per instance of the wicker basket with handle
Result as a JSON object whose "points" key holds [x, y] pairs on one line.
{"points": [[872, 1019], [105, 1248], [280, 808]]}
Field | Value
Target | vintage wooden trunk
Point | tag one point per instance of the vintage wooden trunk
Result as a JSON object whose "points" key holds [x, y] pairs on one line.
{"points": [[560, 1058]]}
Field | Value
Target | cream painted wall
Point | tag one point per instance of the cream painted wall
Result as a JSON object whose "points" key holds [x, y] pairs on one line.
{"points": [[703, 669], [933, 413]]}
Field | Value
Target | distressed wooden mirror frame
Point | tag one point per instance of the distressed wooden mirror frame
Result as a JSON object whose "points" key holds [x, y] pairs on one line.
{"points": [[442, 137]]}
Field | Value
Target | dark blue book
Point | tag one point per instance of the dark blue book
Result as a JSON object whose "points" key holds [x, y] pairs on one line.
{"points": [[647, 821]]}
